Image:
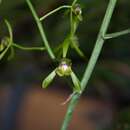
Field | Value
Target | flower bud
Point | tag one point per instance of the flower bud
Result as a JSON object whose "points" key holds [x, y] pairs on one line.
{"points": [[77, 9], [78, 12]]}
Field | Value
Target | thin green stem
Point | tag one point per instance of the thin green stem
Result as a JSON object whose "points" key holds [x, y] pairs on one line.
{"points": [[74, 2], [40, 27], [117, 34], [71, 22], [99, 43], [28, 48], [92, 62], [54, 11], [9, 30]]}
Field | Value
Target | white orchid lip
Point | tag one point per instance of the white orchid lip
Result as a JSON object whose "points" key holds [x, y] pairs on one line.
{"points": [[78, 11], [64, 67]]}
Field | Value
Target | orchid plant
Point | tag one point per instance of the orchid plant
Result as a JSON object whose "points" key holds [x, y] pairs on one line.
{"points": [[70, 42]]}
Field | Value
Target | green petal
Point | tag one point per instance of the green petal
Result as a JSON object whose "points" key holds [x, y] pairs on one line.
{"points": [[76, 82], [75, 45], [66, 44], [48, 79]]}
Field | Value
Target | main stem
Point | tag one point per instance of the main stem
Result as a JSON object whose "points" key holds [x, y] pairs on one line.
{"points": [[92, 62]]}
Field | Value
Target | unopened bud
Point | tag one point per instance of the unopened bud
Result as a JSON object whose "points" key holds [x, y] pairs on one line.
{"points": [[77, 9]]}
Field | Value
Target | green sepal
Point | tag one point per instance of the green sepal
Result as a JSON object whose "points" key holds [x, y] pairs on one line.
{"points": [[75, 45], [46, 82], [80, 17], [76, 82], [65, 46], [75, 23]]}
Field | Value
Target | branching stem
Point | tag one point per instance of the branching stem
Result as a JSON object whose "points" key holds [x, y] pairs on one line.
{"points": [[117, 34], [74, 2], [40, 27], [54, 11]]}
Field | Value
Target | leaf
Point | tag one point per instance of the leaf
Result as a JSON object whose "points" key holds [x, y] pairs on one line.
{"points": [[76, 82], [48, 79]]}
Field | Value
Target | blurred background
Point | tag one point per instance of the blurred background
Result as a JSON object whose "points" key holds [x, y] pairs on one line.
{"points": [[24, 105]]}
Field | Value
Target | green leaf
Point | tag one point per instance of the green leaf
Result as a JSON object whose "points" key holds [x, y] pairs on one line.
{"points": [[48, 79], [76, 82]]}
